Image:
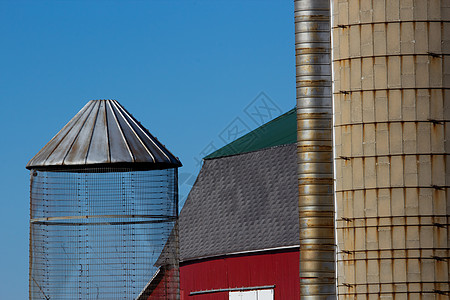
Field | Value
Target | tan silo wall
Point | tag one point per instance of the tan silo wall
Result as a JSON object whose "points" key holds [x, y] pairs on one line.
{"points": [[392, 140]]}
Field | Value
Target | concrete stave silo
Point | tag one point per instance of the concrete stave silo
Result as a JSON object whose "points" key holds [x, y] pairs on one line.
{"points": [[392, 140]]}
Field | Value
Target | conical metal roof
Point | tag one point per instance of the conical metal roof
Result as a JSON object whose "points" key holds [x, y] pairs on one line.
{"points": [[103, 134]]}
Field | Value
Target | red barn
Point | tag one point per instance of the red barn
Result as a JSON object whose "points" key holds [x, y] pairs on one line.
{"points": [[239, 233]]}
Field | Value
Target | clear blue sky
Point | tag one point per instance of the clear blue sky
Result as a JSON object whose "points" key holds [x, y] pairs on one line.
{"points": [[187, 70]]}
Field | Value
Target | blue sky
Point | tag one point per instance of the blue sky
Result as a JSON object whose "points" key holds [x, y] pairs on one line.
{"points": [[189, 71]]}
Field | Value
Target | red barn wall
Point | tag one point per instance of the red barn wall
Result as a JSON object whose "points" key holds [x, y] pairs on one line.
{"points": [[164, 285], [279, 268]]}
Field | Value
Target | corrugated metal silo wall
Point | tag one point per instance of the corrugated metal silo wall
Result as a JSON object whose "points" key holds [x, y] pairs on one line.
{"points": [[392, 139], [314, 147]]}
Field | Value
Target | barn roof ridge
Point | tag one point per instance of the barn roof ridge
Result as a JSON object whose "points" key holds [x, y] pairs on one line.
{"points": [[280, 131]]}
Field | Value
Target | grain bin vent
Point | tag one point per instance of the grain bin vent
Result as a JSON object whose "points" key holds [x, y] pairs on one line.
{"points": [[104, 202]]}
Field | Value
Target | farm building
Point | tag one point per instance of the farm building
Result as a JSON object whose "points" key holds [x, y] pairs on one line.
{"points": [[355, 177], [239, 225]]}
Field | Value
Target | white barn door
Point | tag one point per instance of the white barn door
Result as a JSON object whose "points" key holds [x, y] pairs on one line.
{"points": [[252, 295]]}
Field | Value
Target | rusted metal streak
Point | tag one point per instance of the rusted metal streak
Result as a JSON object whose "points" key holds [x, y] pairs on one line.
{"points": [[42, 291], [392, 187], [312, 59], [310, 18], [439, 258], [388, 55], [395, 292], [392, 282], [389, 89], [348, 158], [440, 122], [390, 226], [389, 22], [398, 249], [314, 85], [396, 216], [419, 258], [309, 51], [311, 11]]}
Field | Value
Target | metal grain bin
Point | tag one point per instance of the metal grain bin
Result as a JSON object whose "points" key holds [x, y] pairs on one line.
{"points": [[104, 202], [392, 137]]}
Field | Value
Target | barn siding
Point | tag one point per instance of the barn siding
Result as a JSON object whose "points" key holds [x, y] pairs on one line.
{"points": [[275, 268]]}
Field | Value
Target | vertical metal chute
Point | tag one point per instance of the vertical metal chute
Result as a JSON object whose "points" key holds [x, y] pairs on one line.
{"points": [[315, 152]]}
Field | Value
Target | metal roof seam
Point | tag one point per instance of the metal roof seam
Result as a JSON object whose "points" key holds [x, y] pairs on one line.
{"points": [[150, 138], [107, 132], [248, 152], [132, 129], [121, 132], [70, 124], [75, 139], [92, 133], [76, 122]]}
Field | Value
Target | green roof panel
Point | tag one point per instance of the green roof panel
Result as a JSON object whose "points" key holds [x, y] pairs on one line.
{"points": [[280, 131]]}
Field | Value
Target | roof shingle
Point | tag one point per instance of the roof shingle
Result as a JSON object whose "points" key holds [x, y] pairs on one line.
{"points": [[242, 203]]}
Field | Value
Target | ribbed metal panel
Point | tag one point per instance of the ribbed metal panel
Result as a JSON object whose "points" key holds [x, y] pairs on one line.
{"points": [[103, 133], [315, 161], [392, 112], [103, 234]]}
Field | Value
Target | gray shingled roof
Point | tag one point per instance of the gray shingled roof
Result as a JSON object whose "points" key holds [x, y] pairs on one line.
{"points": [[240, 203]]}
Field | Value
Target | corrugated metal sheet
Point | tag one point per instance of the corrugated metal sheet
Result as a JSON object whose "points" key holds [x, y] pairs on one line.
{"points": [[242, 202], [392, 113], [103, 133], [315, 152]]}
